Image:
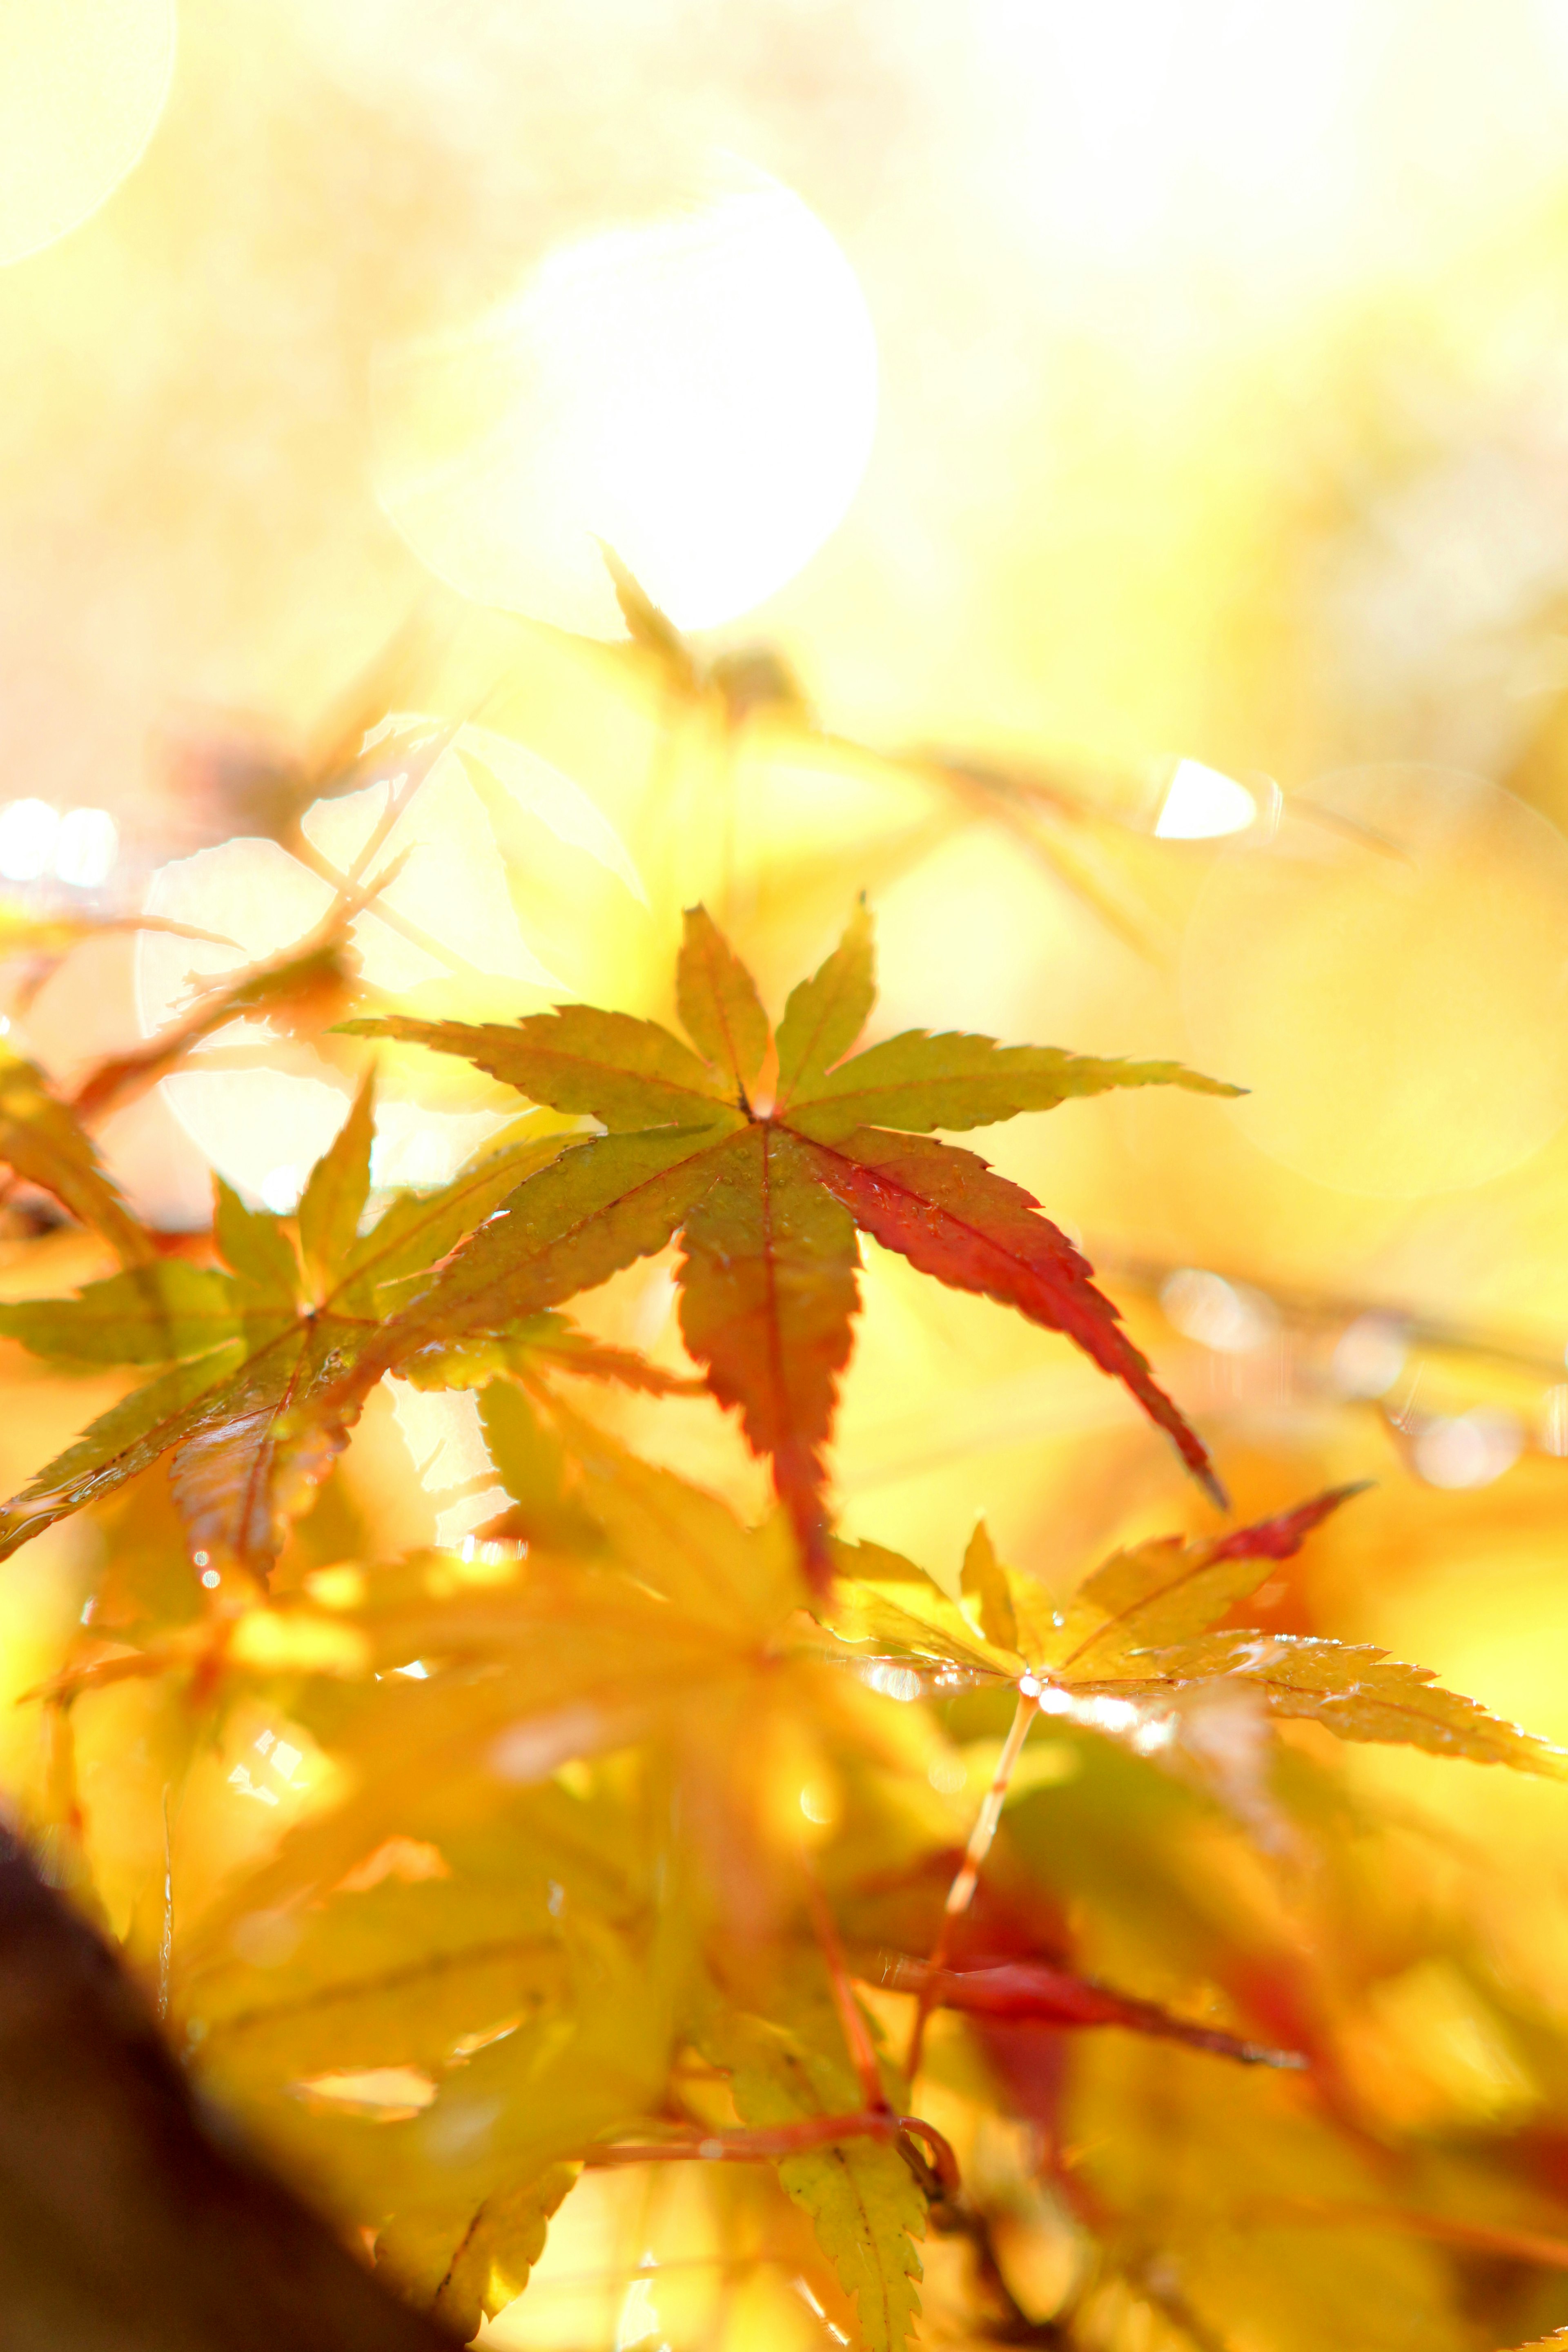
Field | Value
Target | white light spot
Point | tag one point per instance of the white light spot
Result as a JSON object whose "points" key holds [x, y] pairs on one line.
{"points": [[241, 1780], [1224, 1316], [1370, 1357], [211, 1579], [281, 1189], [1554, 1420], [1469, 1450], [710, 2149], [639, 2317], [555, 1898], [1202, 803], [697, 388], [530, 1750], [264, 1741], [817, 1807], [200, 1558], [417, 1669], [285, 1759], [27, 831], [86, 847], [893, 1681]]}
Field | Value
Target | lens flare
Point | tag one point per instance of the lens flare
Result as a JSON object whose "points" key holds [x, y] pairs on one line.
{"points": [[82, 88], [697, 390]]}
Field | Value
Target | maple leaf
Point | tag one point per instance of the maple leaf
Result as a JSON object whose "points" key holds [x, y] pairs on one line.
{"points": [[42, 1140], [262, 1382], [867, 2210], [1136, 1642], [768, 1202], [464, 2269]]}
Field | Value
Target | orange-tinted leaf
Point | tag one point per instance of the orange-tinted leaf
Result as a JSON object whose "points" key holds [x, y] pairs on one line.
{"points": [[1165, 1591], [42, 1139], [768, 1295], [719, 1008], [307, 988]]}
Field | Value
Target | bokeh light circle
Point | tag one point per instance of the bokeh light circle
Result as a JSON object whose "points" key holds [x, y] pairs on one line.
{"points": [[1392, 983], [82, 84], [698, 390]]}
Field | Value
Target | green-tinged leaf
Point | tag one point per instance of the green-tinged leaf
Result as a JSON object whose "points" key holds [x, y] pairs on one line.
{"points": [[154, 1314], [627, 1074], [418, 1228], [333, 1199], [826, 1013], [1358, 1692], [918, 1082], [254, 1243], [768, 1294], [1166, 1589], [864, 2206], [718, 1001], [599, 1206], [983, 1582], [465, 2270], [42, 1139], [127, 1438]]}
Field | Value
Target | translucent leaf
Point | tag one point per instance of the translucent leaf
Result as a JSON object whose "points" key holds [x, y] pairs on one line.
{"points": [[768, 1294], [1358, 1692], [1163, 1590], [867, 2212], [465, 2271], [826, 1013], [333, 1199], [918, 1081], [156, 1314], [253, 1241], [718, 1001], [43, 1141], [627, 1074], [983, 1580]]}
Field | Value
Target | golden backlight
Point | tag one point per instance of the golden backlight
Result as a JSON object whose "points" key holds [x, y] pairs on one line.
{"points": [[82, 83], [697, 390]]}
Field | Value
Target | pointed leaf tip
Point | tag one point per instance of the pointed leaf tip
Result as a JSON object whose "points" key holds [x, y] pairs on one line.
{"points": [[718, 1001]]}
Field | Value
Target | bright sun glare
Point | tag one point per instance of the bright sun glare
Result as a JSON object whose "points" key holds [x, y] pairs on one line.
{"points": [[698, 390], [82, 83]]}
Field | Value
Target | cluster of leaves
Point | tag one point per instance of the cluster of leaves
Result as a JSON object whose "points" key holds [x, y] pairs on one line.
{"points": [[647, 1838]]}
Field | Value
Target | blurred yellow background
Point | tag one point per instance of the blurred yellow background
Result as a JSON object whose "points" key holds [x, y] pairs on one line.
{"points": [[1077, 391]]}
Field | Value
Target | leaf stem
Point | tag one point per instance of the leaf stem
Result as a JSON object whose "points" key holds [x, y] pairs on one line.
{"points": [[961, 1894], [857, 2033]]}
